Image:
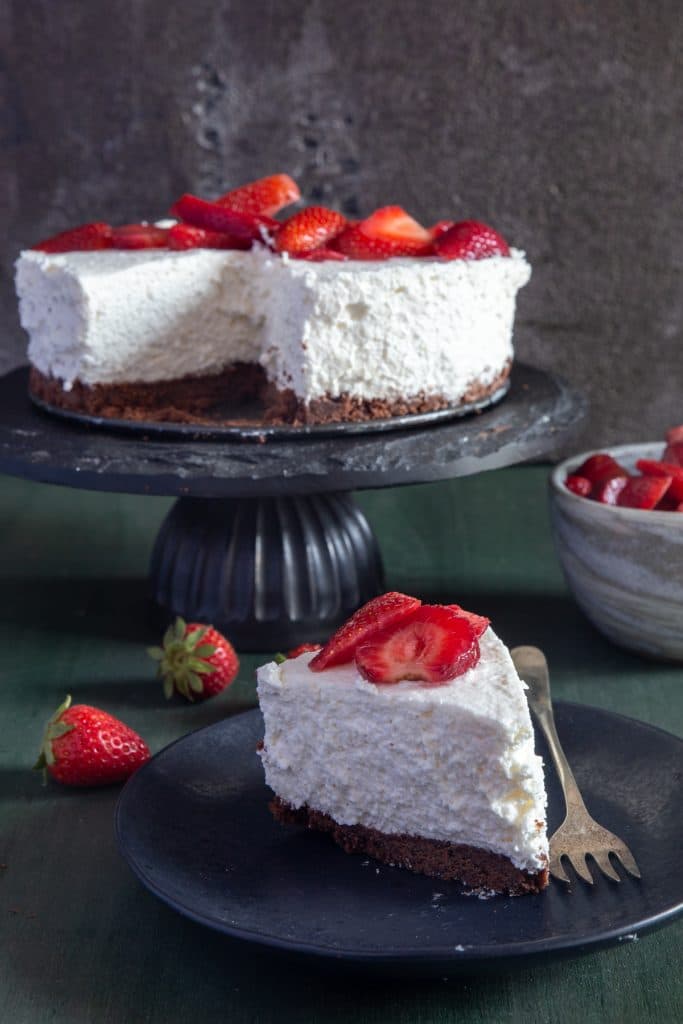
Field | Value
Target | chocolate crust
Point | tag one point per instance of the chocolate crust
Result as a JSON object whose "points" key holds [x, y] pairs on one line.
{"points": [[479, 870], [215, 399]]}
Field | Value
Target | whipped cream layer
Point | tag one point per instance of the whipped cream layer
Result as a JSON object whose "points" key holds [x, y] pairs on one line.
{"points": [[453, 762], [387, 329]]}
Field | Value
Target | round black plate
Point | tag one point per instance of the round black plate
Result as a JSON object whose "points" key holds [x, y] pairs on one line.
{"points": [[252, 428], [195, 828]]}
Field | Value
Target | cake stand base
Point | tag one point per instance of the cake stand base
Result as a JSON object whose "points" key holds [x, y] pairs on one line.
{"points": [[270, 573]]}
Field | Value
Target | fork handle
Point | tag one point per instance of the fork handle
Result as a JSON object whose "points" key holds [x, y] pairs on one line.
{"points": [[533, 670]]}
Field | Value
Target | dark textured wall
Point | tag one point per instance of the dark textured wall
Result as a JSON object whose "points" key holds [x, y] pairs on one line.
{"points": [[557, 120]]}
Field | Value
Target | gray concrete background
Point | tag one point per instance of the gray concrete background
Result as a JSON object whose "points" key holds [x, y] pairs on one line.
{"points": [[558, 122]]}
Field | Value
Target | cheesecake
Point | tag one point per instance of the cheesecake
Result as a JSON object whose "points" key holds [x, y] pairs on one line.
{"points": [[413, 746]]}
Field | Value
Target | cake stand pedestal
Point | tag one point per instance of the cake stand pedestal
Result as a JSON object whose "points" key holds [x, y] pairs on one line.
{"points": [[265, 540]]}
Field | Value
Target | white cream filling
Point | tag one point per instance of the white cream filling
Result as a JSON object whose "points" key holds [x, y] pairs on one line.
{"points": [[389, 329], [453, 762]]}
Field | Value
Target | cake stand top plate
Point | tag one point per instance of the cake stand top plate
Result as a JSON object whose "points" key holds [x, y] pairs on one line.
{"points": [[539, 412]]}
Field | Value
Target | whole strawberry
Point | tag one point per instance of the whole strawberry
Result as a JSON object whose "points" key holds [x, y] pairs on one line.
{"points": [[195, 660], [84, 746]]}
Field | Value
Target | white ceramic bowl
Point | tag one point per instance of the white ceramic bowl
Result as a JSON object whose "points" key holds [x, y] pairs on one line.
{"points": [[623, 565]]}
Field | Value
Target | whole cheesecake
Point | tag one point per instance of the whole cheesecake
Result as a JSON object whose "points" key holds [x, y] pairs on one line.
{"points": [[405, 756], [321, 319]]}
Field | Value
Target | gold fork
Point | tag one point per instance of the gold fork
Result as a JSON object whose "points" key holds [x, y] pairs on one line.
{"points": [[579, 835]]}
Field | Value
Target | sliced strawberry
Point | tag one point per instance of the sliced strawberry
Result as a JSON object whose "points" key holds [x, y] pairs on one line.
{"points": [[303, 649], [382, 611], [643, 491], [607, 492], [184, 236], [86, 237], [433, 644], [320, 256], [471, 240], [357, 245], [479, 623], [600, 468], [580, 485], [652, 468], [214, 217], [393, 224], [265, 196], [309, 229], [440, 228], [139, 236]]}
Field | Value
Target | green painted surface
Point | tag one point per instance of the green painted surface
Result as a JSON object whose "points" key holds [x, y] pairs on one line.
{"points": [[81, 941]]}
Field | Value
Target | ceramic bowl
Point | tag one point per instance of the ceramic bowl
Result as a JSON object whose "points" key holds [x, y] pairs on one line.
{"points": [[623, 565]]}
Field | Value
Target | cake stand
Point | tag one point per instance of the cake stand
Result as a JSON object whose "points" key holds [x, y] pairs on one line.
{"points": [[265, 539]]}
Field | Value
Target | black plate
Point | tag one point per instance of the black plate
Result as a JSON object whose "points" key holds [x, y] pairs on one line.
{"points": [[195, 828], [249, 425]]}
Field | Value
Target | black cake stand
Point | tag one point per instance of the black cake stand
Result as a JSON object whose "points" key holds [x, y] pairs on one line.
{"points": [[265, 539]]}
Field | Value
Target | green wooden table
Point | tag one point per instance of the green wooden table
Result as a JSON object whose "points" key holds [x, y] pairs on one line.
{"points": [[81, 941]]}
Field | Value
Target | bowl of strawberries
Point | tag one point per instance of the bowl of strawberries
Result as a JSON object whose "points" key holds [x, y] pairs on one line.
{"points": [[617, 521]]}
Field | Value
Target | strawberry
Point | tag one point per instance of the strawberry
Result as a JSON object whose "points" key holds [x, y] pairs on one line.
{"points": [[320, 256], [433, 644], [381, 611], [673, 452], [309, 229], [303, 649], [265, 196], [84, 746], [184, 236], [139, 236], [479, 623], [600, 468], [196, 660], [88, 236], [643, 491], [580, 485], [214, 217], [387, 233], [607, 492], [652, 468], [440, 228], [471, 240]]}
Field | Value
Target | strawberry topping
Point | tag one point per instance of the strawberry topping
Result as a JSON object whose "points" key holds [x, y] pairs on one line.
{"points": [[607, 492], [673, 453], [266, 196], [643, 491], [433, 644], [388, 232], [649, 467], [471, 240], [139, 236], [600, 468], [382, 611], [309, 229], [320, 256], [86, 237], [184, 236], [215, 217], [580, 485], [479, 623]]}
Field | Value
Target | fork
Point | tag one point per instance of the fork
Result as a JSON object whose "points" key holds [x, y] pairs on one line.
{"points": [[579, 835]]}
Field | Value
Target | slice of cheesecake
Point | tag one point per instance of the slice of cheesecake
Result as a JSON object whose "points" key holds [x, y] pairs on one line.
{"points": [[411, 742]]}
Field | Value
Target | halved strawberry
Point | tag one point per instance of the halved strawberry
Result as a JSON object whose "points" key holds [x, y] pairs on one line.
{"points": [[580, 485], [652, 468], [214, 217], [479, 623], [607, 492], [264, 196], [381, 611], [320, 256], [600, 468], [393, 224], [184, 236], [309, 229], [83, 238], [471, 240], [433, 644], [139, 236], [643, 491]]}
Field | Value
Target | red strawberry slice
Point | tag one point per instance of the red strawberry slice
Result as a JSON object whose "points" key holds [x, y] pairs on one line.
{"points": [[600, 468], [86, 237], [309, 229], [393, 224], [184, 236], [358, 245], [650, 467], [139, 236], [214, 217], [321, 256], [382, 611], [580, 485], [303, 649], [265, 196], [607, 492], [471, 240], [433, 644], [643, 491], [479, 623], [440, 228]]}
